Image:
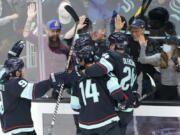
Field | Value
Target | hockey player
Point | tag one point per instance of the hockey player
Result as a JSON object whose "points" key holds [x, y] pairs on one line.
{"points": [[15, 51], [92, 97], [120, 63], [15, 98]]}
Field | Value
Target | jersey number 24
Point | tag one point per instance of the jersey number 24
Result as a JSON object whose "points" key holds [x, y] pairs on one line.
{"points": [[90, 91], [131, 78]]}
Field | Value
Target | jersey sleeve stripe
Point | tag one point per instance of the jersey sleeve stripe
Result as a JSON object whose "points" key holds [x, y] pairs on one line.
{"points": [[116, 92], [98, 121], [28, 91], [94, 126], [15, 127], [107, 64], [102, 66], [20, 130]]}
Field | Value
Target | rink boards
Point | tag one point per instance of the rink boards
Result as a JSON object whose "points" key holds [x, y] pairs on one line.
{"points": [[42, 115]]}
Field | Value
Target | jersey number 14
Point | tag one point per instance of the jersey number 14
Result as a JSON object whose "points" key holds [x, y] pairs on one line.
{"points": [[90, 91]]}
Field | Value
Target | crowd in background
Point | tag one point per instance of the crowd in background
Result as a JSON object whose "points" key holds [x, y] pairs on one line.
{"points": [[156, 56]]}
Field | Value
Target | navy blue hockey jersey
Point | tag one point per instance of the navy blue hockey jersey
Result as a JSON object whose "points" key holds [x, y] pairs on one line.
{"points": [[121, 65], [15, 106], [93, 98]]}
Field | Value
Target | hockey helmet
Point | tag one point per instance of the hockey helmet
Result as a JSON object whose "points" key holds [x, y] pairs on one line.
{"points": [[119, 39], [82, 41], [86, 53], [13, 64]]}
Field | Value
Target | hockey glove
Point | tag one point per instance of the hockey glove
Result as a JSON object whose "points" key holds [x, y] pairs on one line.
{"points": [[136, 102], [16, 49], [59, 78], [56, 80], [79, 72], [131, 102]]}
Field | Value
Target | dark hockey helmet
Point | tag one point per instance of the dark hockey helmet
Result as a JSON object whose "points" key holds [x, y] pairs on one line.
{"points": [[119, 39], [86, 53], [12, 65], [82, 41]]}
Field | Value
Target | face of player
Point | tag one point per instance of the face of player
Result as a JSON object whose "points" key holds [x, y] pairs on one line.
{"points": [[81, 62], [112, 47], [20, 73], [53, 35], [136, 33]]}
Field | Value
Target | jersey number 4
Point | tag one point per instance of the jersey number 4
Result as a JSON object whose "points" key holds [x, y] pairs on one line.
{"points": [[90, 91]]}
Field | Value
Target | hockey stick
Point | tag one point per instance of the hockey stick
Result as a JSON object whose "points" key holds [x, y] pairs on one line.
{"points": [[76, 19], [145, 7], [150, 93], [141, 10]]}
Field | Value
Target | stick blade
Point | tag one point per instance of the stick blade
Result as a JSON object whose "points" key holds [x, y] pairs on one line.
{"points": [[71, 11]]}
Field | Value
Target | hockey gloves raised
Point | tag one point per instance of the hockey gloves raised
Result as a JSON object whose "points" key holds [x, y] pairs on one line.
{"points": [[16, 49]]}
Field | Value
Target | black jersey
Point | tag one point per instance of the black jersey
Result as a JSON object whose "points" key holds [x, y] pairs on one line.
{"points": [[15, 104], [120, 64], [93, 98], [15, 111]]}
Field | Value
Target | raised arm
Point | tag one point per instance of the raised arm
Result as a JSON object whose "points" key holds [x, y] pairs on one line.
{"points": [[7, 19], [31, 13], [154, 59], [81, 25]]}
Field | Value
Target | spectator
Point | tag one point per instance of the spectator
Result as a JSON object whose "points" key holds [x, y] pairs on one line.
{"points": [[54, 47], [169, 63], [7, 16], [159, 22], [119, 21], [97, 33], [137, 30]]}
